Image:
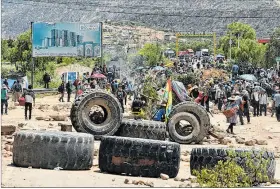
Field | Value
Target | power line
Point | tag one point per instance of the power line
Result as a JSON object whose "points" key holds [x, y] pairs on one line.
{"points": [[140, 6], [152, 14]]}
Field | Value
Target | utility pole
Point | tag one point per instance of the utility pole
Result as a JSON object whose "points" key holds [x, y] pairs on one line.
{"points": [[230, 42], [238, 39]]}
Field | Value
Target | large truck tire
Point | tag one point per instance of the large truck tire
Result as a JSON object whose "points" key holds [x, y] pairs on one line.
{"points": [[209, 157], [143, 129], [183, 134], [199, 112], [139, 157], [107, 102], [48, 150]]}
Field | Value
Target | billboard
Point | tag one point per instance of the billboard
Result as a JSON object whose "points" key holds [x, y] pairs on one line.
{"points": [[66, 39]]}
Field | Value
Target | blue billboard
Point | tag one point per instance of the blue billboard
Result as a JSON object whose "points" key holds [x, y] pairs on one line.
{"points": [[66, 39]]}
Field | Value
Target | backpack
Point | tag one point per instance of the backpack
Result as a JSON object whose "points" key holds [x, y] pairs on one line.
{"points": [[17, 87], [60, 89], [76, 82]]}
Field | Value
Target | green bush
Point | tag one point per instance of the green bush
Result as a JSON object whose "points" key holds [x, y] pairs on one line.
{"points": [[189, 78], [229, 174]]}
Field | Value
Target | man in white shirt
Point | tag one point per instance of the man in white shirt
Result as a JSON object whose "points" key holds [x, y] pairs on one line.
{"points": [[263, 102], [255, 102]]}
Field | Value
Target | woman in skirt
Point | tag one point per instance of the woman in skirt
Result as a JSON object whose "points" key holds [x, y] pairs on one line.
{"points": [[233, 107]]}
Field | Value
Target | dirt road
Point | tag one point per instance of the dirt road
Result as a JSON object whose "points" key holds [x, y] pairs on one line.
{"points": [[261, 128]]}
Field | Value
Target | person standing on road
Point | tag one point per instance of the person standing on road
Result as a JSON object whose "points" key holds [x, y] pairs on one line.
{"points": [[61, 90], [276, 101], [231, 105], [255, 102], [121, 95], [263, 102], [17, 90], [4, 99], [6, 83], [239, 102], [29, 96], [69, 90], [246, 106], [46, 79]]}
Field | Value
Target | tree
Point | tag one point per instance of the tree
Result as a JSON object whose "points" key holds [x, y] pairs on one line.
{"points": [[152, 53], [245, 47], [273, 48]]}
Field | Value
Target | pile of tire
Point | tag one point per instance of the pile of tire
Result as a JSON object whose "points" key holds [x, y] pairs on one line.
{"points": [[115, 124], [138, 150]]}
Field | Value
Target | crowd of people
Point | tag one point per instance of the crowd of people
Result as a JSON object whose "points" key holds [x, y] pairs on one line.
{"points": [[235, 97], [121, 89], [25, 97]]}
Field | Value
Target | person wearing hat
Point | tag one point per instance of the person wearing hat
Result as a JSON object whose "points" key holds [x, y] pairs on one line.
{"points": [[4, 99], [239, 102], [232, 105]]}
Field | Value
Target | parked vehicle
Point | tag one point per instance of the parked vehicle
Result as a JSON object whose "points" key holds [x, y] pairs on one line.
{"points": [[69, 76]]}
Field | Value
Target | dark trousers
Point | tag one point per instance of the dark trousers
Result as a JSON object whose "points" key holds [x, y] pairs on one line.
{"points": [[125, 100], [240, 114], [220, 103], [61, 99], [230, 127], [28, 106], [263, 107], [68, 97], [278, 113], [247, 114], [121, 101], [46, 85], [256, 106], [4, 103]]}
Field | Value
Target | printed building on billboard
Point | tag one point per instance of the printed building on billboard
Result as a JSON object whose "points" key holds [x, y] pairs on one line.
{"points": [[81, 50], [65, 38], [73, 39], [54, 36], [88, 49], [60, 38], [79, 39], [96, 50]]}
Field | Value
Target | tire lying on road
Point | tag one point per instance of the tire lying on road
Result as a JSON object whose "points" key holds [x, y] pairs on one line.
{"points": [[209, 157], [142, 129], [83, 105], [183, 134], [139, 157], [201, 115], [48, 150]]}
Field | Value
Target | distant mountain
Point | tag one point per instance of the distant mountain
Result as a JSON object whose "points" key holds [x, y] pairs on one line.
{"points": [[176, 15]]}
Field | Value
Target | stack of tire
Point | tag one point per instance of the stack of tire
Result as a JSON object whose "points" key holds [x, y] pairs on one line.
{"points": [[115, 124], [138, 150]]}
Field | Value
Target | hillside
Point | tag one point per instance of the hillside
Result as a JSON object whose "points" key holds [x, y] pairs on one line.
{"points": [[178, 15]]}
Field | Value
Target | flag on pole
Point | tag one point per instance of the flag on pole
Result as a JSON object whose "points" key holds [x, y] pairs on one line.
{"points": [[168, 96]]}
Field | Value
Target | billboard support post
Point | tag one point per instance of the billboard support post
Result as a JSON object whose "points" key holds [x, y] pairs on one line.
{"points": [[32, 71], [32, 58], [101, 42]]}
